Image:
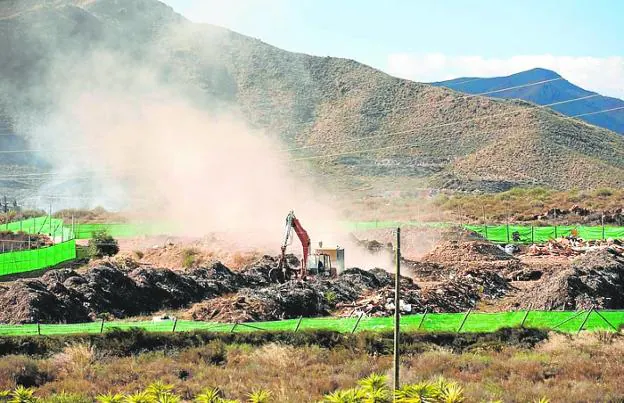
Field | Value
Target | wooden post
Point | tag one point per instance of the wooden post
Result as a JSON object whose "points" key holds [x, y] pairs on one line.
{"points": [[102, 326], [397, 309], [298, 323], [357, 323]]}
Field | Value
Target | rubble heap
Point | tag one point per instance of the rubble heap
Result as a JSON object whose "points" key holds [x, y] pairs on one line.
{"points": [[594, 279], [473, 251]]}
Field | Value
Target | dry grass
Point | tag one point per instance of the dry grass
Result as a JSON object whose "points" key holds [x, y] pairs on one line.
{"points": [[563, 368]]}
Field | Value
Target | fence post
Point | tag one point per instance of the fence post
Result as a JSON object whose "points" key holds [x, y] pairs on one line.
{"points": [[38, 328], [532, 234], [233, 327], [175, 323], [526, 315], [555, 231], [298, 323], [397, 309], [508, 232], [464, 321], [102, 326], [585, 320], [357, 323], [422, 320]]}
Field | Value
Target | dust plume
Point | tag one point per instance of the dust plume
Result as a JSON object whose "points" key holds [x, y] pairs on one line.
{"points": [[129, 128]]}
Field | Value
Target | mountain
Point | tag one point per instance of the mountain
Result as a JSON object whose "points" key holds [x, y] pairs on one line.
{"points": [[550, 92], [350, 123]]}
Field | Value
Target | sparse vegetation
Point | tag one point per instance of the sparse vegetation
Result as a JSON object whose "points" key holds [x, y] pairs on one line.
{"points": [[190, 257], [102, 244], [563, 368]]}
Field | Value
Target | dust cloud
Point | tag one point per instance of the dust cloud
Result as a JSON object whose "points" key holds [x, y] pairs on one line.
{"points": [[126, 136]]}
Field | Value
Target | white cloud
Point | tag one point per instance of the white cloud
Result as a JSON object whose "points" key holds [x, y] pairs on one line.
{"points": [[604, 75]]}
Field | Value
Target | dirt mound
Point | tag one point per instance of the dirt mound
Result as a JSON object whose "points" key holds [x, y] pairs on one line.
{"points": [[594, 279], [66, 296], [471, 251], [315, 297], [464, 290]]}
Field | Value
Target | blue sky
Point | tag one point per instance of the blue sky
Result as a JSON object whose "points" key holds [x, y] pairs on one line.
{"points": [[429, 40]]}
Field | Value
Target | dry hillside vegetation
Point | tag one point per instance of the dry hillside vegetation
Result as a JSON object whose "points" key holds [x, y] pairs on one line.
{"points": [[333, 107]]}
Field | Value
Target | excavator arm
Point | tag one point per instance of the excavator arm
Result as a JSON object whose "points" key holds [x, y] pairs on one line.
{"points": [[292, 223]]}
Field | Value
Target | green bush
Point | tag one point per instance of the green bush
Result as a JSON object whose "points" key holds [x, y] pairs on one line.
{"points": [[102, 244]]}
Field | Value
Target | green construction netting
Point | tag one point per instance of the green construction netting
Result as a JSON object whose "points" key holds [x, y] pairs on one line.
{"points": [[563, 321], [532, 234], [35, 259], [120, 230]]}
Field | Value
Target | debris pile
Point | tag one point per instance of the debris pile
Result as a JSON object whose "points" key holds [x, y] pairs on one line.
{"points": [[66, 296], [457, 294], [473, 251], [464, 291], [572, 246], [594, 279], [315, 297]]}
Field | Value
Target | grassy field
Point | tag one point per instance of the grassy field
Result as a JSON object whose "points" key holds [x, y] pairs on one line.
{"points": [[569, 322]]}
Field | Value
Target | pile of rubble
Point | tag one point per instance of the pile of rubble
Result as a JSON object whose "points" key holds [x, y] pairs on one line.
{"points": [[457, 294], [474, 251], [315, 297], [572, 246], [595, 278], [120, 289]]}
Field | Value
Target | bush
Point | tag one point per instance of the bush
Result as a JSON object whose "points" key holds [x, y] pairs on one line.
{"points": [[102, 244], [189, 258]]}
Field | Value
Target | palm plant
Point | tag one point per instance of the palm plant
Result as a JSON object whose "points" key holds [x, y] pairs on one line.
{"points": [[23, 395], [424, 392], [259, 396], [211, 395], [159, 391], [140, 397], [110, 398], [346, 396]]}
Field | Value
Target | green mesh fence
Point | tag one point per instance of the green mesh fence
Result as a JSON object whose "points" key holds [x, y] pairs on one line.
{"points": [[35, 259], [121, 230], [532, 234], [563, 321]]}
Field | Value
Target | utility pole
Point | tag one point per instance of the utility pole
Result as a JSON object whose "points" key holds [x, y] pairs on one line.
{"points": [[397, 308]]}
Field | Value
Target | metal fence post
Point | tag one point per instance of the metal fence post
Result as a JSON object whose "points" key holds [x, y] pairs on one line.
{"points": [[357, 323], [102, 326], [464, 320], [526, 315], [175, 323], [422, 320], [298, 323], [38, 328], [585, 320]]}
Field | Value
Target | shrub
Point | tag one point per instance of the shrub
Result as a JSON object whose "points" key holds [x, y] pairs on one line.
{"points": [[189, 258], [102, 244]]}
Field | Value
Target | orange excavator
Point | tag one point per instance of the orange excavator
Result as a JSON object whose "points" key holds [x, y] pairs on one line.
{"points": [[324, 261]]}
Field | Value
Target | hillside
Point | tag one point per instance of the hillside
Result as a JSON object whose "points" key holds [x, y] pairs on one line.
{"points": [[333, 107], [546, 93]]}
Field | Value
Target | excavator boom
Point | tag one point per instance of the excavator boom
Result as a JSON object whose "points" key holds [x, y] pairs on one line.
{"points": [[293, 223]]}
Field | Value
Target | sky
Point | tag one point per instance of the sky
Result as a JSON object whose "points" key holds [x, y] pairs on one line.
{"points": [[434, 40]]}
